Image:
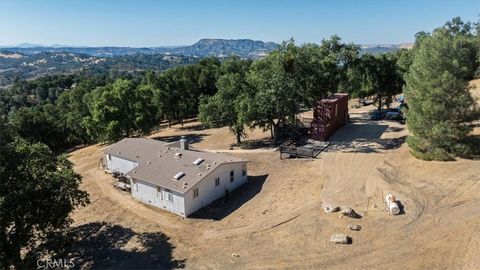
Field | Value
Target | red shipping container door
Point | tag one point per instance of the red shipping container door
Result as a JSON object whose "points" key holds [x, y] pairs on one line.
{"points": [[329, 115]]}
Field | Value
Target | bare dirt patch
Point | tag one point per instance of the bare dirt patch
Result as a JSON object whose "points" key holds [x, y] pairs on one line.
{"points": [[207, 139], [11, 55], [475, 89], [276, 220]]}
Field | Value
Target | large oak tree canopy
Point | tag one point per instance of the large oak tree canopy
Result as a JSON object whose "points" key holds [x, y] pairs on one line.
{"points": [[38, 191]]}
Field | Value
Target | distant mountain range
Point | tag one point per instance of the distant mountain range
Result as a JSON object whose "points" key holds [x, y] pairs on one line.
{"points": [[224, 47], [384, 48], [245, 48], [27, 61]]}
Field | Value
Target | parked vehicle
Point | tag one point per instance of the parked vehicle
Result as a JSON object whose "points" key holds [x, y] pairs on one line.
{"points": [[393, 110], [366, 102], [389, 114], [392, 115], [378, 115]]}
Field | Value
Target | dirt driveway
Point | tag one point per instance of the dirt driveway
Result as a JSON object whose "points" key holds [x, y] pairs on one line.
{"points": [[276, 220]]}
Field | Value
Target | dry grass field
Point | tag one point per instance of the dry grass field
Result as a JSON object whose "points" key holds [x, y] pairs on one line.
{"points": [[276, 221]]}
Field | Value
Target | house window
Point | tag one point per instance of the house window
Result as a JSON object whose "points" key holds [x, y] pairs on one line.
{"points": [[109, 157], [195, 193], [217, 182], [159, 193], [244, 172], [231, 176], [169, 197]]}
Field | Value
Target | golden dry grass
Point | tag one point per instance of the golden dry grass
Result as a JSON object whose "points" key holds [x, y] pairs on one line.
{"points": [[276, 220]]}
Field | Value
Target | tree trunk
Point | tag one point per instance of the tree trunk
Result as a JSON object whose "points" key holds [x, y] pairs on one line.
{"points": [[271, 132], [238, 135], [379, 102], [14, 252], [275, 133], [17, 259]]}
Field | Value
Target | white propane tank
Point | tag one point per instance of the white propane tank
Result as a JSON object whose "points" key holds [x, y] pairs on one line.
{"points": [[392, 204]]}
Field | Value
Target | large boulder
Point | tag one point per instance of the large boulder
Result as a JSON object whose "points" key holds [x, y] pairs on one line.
{"points": [[349, 212], [330, 209], [339, 238], [354, 227]]}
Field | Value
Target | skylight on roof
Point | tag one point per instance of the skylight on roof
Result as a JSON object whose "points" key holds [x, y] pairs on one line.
{"points": [[198, 161], [178, 175]]}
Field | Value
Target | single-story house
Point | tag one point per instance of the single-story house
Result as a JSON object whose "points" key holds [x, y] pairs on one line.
{"points": [[173, 177]]}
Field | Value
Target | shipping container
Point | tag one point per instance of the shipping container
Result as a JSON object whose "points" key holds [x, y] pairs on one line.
{"points": [[329, 114]]}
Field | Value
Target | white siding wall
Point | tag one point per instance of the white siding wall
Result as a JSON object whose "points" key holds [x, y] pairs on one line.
{"points": [[119, 164], [185, 204], [208, 192], [149, 194]]}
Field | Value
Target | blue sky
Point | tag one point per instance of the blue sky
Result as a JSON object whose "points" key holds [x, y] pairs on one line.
{"points": [[181, 22]]}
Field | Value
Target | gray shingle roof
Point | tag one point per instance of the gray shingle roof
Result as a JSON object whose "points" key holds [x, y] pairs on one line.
{"points": [[159, 162]]}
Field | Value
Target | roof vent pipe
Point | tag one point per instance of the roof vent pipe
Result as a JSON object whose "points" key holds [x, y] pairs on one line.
{"points": [[178, 175], [198, 161], [183, 143]]}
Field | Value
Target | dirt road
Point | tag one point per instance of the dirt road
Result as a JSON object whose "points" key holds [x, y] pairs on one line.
{"points": [[276, 220]]}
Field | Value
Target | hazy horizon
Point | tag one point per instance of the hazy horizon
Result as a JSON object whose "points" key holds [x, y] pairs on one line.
{"points": [[149, 23], [56, 45]]}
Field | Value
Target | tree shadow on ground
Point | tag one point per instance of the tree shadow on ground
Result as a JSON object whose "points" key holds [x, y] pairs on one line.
{"points": [[75, 148], [364, 136], [165, 124], [365, 131], [101, 245], [196, 127], [221, 208], [191, 137], [366, 145], [255, 144], [395, 129], [472, 142]]}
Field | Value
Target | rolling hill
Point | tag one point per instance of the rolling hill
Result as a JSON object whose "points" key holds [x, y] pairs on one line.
{"points": [[246, 48], [15, 65], [27, 61]]}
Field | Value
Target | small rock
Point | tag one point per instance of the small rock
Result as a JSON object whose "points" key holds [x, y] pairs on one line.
{"points": [[349, 212], [235, 255], [340, 239], [354, 227], [330, 209]]}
